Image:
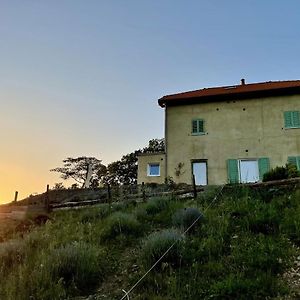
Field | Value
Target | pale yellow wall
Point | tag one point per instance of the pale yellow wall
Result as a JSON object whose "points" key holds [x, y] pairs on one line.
{"points": [[230, 131], [143, 161]]}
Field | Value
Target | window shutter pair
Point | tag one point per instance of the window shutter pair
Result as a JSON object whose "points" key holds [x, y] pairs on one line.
{"points": [[294, 160], [291, 119], [197, 126], [233, 169]]}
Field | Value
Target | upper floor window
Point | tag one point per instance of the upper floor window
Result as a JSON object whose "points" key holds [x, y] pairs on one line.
{"points": [[292, 119], [153, 169], [197, 127]]}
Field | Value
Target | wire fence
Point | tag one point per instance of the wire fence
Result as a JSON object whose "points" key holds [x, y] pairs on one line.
{"points": [[126, 296]]}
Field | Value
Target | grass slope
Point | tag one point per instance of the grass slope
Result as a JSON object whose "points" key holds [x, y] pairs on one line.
{"points": [[242, 245]]}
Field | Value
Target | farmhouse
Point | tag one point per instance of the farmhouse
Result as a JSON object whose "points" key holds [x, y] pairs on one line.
{"points": [[227, 134]]}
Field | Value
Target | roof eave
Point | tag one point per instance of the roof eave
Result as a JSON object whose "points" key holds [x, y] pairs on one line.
{"points": [[232, 96]]}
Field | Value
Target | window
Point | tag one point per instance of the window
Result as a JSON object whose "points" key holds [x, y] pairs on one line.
{"points": [[294, 160], [292, 119], [245, 170], [153, 169], [197, 127]]}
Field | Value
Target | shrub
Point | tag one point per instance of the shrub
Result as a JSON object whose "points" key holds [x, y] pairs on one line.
{"points": [[156, 205], [278, 173], [79, 265], [292, 171], [185, 217], [121, 224], [158, 243]]}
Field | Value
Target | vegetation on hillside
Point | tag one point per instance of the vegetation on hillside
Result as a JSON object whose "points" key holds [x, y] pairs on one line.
{"points": [[239, 248], [123, 171], [285, 172]]}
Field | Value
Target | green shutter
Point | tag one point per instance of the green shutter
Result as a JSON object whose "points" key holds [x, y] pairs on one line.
{"points": [[288, 119], [291, 119], [194, 126], [263, 166], [295, 118], [233, 171], [294, 160], [200, 126]]}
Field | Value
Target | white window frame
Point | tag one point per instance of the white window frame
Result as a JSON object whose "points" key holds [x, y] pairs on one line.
{"points": [[198, 132], [148, 169], [239, 167]]}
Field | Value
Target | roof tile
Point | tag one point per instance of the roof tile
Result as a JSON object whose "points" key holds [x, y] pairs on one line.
{"points": [[241, 90]]}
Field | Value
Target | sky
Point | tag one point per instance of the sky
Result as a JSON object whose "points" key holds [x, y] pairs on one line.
{"points": [[82, 77]]}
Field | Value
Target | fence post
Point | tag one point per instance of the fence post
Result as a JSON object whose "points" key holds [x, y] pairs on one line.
{"points": [[143, 192], [16, 196], [47, 204], [194, 187]]}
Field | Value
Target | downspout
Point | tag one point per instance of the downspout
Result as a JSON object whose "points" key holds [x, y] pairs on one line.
{"points": [[166, 141]]}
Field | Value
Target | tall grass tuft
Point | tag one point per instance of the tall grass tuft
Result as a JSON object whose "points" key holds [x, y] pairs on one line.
{"points": [[12, 253], [156, 205], [185, 217], [80, 266], [121, 224], [158, 243], [69, 270]]}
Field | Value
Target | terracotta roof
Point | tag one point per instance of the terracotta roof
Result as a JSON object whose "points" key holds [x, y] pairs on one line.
{"points": [[241, 91]]}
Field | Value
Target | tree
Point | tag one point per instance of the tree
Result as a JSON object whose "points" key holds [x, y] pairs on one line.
{"points": [[155, 145], [124, 171], [77, 169]]}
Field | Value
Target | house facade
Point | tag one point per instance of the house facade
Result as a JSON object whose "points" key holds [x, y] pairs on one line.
{"points": [[227, 134]]}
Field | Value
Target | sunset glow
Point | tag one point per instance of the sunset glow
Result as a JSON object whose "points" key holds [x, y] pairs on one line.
{"points": [[83, 78]]}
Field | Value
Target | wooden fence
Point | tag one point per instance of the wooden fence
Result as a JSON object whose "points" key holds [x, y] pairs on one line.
{"points": [[54, 199], [72, 198]]}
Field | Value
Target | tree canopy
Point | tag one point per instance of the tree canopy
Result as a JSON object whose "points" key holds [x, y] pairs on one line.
{"points": [[77, 169], [123, 171]]}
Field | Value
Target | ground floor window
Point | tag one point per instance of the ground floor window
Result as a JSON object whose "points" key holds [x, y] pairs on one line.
{"points": [[247, 170], [153, 169]]}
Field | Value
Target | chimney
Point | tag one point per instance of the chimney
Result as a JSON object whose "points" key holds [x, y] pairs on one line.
{"points": [[242, 81]]}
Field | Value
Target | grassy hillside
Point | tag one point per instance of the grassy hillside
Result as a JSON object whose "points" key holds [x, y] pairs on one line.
{"points": [[241, 247]]}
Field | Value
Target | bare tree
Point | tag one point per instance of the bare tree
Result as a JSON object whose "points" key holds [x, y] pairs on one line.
{"points": [[82, 169]]}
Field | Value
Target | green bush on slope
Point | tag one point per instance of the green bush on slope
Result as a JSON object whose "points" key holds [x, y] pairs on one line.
{"points": [[121, 223]]}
